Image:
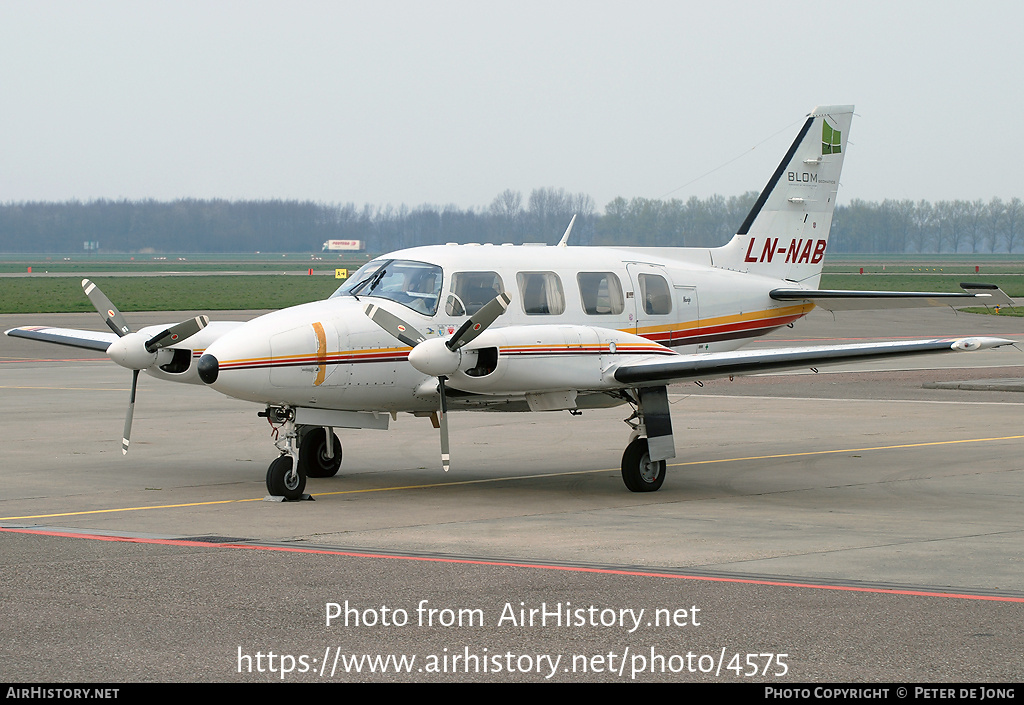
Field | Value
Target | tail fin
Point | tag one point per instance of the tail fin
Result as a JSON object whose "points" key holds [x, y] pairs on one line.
{"points": [[786, 232]]}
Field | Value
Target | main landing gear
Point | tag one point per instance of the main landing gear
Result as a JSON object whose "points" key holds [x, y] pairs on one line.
{"points": [[306, 451], [319, 451], [652, 443]]}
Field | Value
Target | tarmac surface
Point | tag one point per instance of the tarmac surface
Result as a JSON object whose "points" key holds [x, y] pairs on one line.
{"points": [[860, 524]]}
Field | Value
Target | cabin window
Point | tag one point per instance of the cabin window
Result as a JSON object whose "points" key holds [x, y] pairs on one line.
{"points": [[601, 293], [541, 293], [655, 293], [470, 291], [416, 285]]}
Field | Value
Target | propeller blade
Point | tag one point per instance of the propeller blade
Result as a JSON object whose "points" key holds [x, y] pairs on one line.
{"points": [[111, 316], [126, 438], [177, 333], [408, 335], [479, 321], [394, 325], [443, 419]]}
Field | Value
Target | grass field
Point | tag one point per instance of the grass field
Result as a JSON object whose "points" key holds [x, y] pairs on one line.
{"points": [[157, 293], [58, 294], [1012, 284]]}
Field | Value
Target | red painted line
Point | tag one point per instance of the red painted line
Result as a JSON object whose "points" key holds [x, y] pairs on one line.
{"points": [[580, 352], [58, 359], [514, 564], [333, 359]]}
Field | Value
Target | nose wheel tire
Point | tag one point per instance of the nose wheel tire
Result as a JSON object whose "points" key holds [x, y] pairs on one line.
{"points": [[639, 472], [282, 482], [313, 460]]}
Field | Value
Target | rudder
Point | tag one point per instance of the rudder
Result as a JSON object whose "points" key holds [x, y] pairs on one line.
{"points": [[786, 232]]}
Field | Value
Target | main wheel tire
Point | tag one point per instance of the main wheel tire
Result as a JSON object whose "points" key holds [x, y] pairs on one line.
{"points": [[638, 471], [313, 458], [281, 482]]}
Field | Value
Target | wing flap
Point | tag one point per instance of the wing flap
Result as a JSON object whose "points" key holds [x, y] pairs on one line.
{"points": [[709, 365], [86, 339]]}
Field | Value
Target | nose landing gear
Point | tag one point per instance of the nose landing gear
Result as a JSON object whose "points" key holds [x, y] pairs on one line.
{"points": [[283, 480], [306, 451], [285, 477]]}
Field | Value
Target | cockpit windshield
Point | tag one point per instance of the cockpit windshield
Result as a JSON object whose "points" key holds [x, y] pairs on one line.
{"points": [[413, 284]]}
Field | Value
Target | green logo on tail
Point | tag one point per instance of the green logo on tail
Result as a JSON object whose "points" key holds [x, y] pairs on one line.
{"points": [[831, 139]]}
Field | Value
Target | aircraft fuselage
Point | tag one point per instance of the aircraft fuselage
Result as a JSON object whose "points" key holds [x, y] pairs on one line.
{"points": [[573, 311]]}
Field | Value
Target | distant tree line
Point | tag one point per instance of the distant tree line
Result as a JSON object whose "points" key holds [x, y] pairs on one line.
{"points": [[920, 227], [192, 225]]}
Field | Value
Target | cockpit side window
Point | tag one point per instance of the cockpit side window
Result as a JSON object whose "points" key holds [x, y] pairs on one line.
{"points": [[470, 291], [416, 285], [541, 293]]}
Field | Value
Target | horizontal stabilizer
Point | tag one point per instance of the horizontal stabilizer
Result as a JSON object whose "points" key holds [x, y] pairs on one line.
{"points": [[996, 296], [848, 300]]}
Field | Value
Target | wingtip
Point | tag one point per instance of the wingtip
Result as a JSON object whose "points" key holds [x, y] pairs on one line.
{"points": [[979, 343]]}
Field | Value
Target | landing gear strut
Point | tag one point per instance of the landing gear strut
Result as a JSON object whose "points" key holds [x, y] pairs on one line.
{"points": [[285, 477]]}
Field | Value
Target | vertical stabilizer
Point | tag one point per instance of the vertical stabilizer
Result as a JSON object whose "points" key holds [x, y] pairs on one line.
{"points": [[786, 232]]}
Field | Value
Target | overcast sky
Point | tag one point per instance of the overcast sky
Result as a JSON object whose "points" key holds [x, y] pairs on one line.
{"points": [[453, 102]]}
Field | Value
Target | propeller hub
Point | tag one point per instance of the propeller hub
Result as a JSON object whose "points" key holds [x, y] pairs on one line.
{"points": [[432, 357], [209, 368]]}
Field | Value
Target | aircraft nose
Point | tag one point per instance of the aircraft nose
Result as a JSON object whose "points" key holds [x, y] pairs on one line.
{"points": [[208, 368]]}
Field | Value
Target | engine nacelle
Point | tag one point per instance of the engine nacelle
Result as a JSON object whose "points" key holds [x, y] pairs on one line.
{"points": [[545, 358]]}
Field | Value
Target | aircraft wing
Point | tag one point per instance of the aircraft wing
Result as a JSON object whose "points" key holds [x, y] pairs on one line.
{"points": [[87, 339], [663, 370], [845, 300]]}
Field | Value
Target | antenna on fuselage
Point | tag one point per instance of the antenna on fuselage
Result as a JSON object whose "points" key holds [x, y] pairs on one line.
{"points": [[565, 237]]}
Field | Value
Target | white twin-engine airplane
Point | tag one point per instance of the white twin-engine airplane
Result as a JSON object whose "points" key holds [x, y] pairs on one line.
{"points": [[530, 328]]}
